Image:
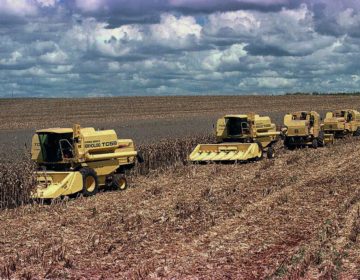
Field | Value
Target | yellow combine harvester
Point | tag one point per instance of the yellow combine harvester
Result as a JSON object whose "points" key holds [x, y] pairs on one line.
{"points": [[240, 138], [73, 160], [304, 128], [342, 122]]}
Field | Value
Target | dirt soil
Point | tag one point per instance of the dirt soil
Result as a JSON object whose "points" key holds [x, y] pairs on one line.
{"points": [[294, 217], [148, 119]]}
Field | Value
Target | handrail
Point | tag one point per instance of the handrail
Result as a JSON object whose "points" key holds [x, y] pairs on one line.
{"points": [[110, 155]]}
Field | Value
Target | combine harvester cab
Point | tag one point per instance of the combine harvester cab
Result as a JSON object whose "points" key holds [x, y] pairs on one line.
{"points": [[304, 128], [342, 122], [80, 160], [240, 138]]}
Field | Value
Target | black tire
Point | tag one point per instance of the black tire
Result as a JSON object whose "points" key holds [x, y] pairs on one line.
{"points": [[288, 145], [357, 132], [320, 139], [90, 182], [315, 143], [140, 157], [270, 153], [119, 182]]}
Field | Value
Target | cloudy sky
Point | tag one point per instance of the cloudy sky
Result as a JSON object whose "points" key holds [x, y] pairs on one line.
{"points": [[156, 47]]}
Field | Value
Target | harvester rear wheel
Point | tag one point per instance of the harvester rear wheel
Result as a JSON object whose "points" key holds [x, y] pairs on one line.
{"points": [[270, 153], [321, 139], [119, 182], [357, 132], [90, 182]]}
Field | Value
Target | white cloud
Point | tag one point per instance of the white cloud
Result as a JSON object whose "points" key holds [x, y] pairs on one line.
{"points": [[296, 15], [18, 7], [231, 56], [348, 18], [355, 78], [89, 5], [275, 82], [171, 33], [47, 3], [12, 60], [55, 57], [61, 69], [237, 22], [33, 71], [176, 32], [114, 66]]}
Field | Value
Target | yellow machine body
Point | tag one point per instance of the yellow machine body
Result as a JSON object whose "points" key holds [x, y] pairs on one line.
{"points": [[304, 128], [240, 138], [342, 122], [61, 152]]}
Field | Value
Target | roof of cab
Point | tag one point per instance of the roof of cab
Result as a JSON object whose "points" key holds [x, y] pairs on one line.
{"points": [[236, 116], [55, 130]]}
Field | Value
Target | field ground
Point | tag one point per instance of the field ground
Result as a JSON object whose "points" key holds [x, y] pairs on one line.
{"points": [[150, 118], [295, 217]]}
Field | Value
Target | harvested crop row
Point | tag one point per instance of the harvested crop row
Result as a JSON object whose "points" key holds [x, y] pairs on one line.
{"points": [[256, 243], [207, 221], [29, 113]]}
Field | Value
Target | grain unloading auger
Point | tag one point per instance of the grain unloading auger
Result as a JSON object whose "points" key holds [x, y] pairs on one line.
{"points": [[240, 138], [80, 160]]}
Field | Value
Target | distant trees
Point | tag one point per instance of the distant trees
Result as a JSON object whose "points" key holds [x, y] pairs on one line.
{"points": [[323, 93]]}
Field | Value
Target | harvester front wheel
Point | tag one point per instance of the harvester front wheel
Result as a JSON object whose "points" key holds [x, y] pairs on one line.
{"points": [[261, 150], [90, 182], [287, 144], [315, 143], [119, 182]]}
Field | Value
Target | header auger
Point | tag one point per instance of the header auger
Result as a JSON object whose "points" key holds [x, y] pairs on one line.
{"points": [[80, 160], [240, 138]]}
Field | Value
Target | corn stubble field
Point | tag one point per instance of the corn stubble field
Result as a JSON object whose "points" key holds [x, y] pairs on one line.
{"points": [[295, 217]]}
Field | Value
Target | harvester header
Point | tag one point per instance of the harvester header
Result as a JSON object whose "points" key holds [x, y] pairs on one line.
{"points": [[240, 138]]}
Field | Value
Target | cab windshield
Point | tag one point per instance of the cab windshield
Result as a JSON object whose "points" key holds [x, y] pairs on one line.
{"points": [[56, 147], [237, 126]]}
